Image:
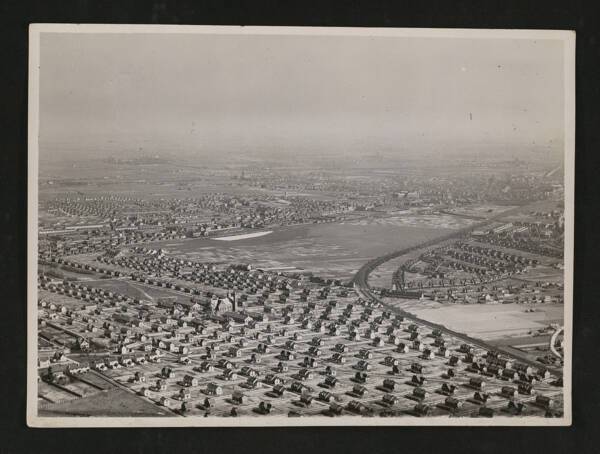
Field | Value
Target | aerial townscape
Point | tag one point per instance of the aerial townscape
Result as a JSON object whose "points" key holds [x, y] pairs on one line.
{"points": [[273, 226], [267, 284]]}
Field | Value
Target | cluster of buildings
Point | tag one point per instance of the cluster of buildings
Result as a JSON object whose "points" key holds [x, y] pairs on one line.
{"points": [[225, 339], [237, 341], [79, 225], [478, 269]]}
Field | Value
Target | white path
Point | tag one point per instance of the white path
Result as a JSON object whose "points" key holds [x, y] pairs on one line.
{"points": [[553, 341], [243, 236]]}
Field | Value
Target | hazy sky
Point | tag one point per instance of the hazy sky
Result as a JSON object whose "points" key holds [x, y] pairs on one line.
{"points": [[290, 93]]}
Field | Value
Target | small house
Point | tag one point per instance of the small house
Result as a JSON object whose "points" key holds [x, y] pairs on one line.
{"points": [[214, 389], [452, 403], [419, 393], [330, 381], [184, 394], [359, 390], [388, 384], [189, 380], [402, 348], [389, 400], [508, 391], [477, 383], [544, 401]]}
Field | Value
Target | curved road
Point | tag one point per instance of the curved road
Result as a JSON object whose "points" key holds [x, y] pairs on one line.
{"points": [[362, 287], [553, 341]]}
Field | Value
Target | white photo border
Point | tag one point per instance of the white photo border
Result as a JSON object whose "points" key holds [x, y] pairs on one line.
{"points": [[35, 31]]}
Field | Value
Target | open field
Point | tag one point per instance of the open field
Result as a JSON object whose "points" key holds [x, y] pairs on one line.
{"points": [[50, 393], [480, 210], [62, 300], [329, 250], [419, 220], [114, 402], [486, 321], [57, 271], [544, 274], [383, 274], [137, 290]]}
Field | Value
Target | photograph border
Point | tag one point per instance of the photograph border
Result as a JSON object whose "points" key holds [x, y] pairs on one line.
{"points": [[35, 31]]}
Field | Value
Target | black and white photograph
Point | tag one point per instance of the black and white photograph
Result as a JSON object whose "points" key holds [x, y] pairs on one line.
{"points": [[299, 226]]}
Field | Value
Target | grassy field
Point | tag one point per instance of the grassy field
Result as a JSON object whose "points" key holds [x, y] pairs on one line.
{"points": [[137, 290], [114, 402]]}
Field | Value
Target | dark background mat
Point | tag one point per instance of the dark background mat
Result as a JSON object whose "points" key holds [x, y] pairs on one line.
{"points": [[581, 16]]}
